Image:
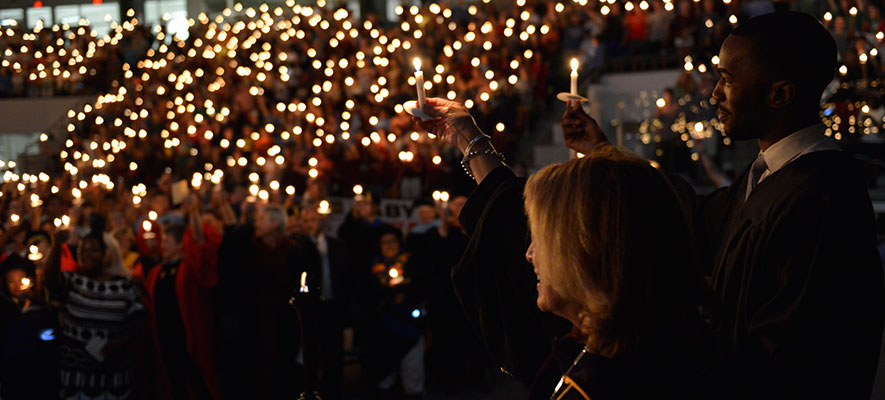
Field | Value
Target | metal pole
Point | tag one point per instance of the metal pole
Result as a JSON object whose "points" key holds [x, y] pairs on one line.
{"points": [[306, 303], [620, 129]]}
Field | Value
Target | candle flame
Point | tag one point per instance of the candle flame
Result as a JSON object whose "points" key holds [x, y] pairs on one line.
{"points": [[574, 64], [324, 208], [417, 62], [357, 189], [304, 288]]}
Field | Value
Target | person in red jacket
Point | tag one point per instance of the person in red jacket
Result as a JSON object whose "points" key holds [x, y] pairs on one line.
{"points": [[180, 304]]}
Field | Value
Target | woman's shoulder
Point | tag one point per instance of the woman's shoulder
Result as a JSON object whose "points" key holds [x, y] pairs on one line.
{"points": [[111, 285]]}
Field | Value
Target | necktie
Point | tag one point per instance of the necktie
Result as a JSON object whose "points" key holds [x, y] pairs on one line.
{"points": [[759, 166]]}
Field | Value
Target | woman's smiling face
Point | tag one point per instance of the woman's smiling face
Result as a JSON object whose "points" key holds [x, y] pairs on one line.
{"points": [[548, 298]]}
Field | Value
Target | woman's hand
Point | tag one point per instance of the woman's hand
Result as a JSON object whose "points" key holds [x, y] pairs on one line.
{"points": [[452, 122], [580, 131]]}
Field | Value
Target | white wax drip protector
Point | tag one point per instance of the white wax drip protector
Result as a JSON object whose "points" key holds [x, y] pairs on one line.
{"points": [[567, 97], [412, 108]]}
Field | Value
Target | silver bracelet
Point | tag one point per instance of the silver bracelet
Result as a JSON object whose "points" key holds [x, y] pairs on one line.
{"points": [[465, 163], [474, 142]]}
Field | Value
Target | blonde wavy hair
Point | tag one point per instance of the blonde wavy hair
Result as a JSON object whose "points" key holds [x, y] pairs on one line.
{"points": [[614, 238]]}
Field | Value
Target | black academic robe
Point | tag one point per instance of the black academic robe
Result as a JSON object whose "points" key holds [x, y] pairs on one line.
{"points": [[496, 284], [799, 279]]}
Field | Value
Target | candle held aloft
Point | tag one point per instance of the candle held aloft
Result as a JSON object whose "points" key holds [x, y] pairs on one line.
{"points": [[419, 81], [574, 77]]}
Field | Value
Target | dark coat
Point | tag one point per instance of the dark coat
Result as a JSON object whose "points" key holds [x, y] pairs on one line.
{"points": [[496, 284]]}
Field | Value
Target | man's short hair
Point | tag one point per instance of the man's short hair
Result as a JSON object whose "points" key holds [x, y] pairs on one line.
{"points": [[175, 231], [792, 46], [276, 213]]}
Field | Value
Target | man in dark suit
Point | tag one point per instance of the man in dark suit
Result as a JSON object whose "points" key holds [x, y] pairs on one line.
{"points": [[330, 279], [258, 268]]}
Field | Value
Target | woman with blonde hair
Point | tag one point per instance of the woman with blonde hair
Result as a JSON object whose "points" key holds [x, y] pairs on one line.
{"points": [[617, 262], [611, 252]]}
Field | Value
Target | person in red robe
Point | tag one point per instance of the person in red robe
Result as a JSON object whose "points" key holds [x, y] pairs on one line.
{"points": [[181, 310]]}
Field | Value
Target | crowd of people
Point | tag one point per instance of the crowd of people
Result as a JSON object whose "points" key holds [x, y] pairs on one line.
{"points": [[192, 298], [531, 44], [188, 203]]}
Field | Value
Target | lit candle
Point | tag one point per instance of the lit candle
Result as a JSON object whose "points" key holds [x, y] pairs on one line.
{"points": [[34, 255], [25, 284], [574, 76], [395, 276], [419, 81], [304, 288], [444, 196], [324, 208]]}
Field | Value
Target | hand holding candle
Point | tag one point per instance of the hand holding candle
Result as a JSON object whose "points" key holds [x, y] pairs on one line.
{"points": [[25, 284], [572, 94]]}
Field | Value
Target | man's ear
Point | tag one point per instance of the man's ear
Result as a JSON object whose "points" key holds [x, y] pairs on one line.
{"points": [[782, 94]]}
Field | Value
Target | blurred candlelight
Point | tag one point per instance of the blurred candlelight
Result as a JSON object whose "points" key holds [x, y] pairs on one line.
{"points": [[324, 208], [33, 255]]}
